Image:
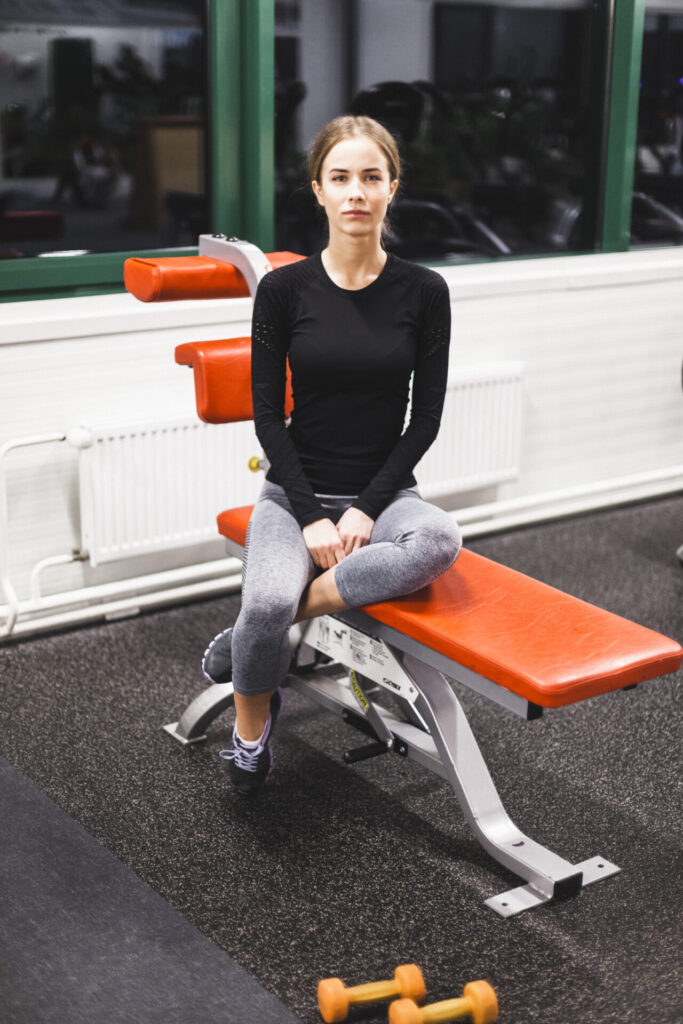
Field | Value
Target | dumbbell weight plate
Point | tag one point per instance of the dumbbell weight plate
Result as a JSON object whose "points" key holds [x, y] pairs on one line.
{"points": [[484, 1001], [410, 982], [333, 1000]]}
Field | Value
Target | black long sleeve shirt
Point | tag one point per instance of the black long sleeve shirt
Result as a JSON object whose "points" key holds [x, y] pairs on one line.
{"points": [[352, 355]]}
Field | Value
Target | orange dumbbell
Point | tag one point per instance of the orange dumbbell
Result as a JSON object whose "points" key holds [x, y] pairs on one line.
{"points": [[478, 1001], [334, 998]]}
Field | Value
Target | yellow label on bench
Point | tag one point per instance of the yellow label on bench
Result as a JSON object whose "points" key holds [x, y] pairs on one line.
{"points": [[360, 696]]}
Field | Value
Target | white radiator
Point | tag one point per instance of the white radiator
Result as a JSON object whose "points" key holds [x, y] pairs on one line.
{"points": [[481, 431], [160, 486]]}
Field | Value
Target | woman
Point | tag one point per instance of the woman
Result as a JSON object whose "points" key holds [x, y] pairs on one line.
{"points": [[339, 522]]}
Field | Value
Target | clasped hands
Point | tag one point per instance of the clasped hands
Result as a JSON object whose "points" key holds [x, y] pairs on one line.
{"points": [[329, 544]]}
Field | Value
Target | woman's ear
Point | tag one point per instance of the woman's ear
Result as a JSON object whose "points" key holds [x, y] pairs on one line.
{"points": [[392, 189], [317, 190]]}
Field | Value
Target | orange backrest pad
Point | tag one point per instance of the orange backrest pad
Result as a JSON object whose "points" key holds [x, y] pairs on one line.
{"points": [[222, 379], [169, 278], [546, 646]]}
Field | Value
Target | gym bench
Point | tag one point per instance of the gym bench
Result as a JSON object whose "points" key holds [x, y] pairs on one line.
{"points": [[519, 642]]}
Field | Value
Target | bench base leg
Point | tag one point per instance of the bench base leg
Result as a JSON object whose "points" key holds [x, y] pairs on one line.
{"points": [[514, 901], [172, 730], [198, 716]]}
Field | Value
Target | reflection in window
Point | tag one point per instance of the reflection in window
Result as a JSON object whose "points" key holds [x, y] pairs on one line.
{"points": [[491, 104], [102, 125], [657, 212]]}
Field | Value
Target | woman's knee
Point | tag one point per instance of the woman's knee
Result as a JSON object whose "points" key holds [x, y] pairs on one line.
{"points": [[435, 543], [450, 537], [267, 611], [443, 540]]}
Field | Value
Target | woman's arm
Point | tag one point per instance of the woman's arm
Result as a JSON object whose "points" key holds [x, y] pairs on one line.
{"points": [[269, 347], [429, 391]]}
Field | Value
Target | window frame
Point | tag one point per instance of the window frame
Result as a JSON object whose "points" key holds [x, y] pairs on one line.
{"points": [[240, 151], [237, 91], [626, 51]]}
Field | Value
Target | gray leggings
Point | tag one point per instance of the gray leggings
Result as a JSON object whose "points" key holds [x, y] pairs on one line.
{"points": [[412, 543]]}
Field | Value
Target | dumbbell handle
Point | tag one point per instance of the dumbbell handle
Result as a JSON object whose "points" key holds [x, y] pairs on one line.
{"points": [[449, 1009], [375, 991]]}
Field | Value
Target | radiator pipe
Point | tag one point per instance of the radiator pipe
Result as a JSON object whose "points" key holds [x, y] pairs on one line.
{"points": [[46, 563], [5, 581], [218, 572], [130, 605], [530, 508]]}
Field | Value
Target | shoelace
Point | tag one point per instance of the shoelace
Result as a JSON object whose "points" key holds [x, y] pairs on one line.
{"points": [[245, 758]]}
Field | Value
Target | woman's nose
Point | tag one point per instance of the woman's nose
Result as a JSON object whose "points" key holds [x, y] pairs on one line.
{"points": [[356, 188]]}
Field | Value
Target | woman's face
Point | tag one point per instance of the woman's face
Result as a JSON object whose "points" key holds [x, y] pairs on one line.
{"points": [[355, 187]]}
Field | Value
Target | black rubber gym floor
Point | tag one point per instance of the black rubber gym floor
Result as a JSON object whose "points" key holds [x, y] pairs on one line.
{"points": [[350, 871], [83, 938]]}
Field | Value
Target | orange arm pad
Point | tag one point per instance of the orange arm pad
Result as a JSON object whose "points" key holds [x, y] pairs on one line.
{"points": [[168, 278], [222, 379]]}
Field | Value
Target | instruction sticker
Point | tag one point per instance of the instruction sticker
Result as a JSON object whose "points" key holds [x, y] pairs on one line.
{"points": [[358, 651]]}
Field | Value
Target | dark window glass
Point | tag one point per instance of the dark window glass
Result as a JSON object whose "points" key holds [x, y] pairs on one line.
{"points": [[497, 107], [657, 213], [102, 125]]}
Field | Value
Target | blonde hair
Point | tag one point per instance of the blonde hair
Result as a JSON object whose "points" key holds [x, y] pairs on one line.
{"points": [[350, 127]]}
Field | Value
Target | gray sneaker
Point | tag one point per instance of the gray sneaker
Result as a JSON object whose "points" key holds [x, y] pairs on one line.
{"points": [[217, 660], [251, 766]]}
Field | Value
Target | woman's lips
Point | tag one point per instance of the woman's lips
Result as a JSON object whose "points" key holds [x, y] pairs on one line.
{"points": [[355, 213]]}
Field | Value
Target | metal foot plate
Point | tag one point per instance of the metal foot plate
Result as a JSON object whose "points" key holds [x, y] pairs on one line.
{"points": [[595, 869], [516, 900], [507, 904], [172, 730]]}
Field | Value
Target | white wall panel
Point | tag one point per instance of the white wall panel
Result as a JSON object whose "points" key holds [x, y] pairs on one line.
{"points": [[603, 392], [600, 338]]}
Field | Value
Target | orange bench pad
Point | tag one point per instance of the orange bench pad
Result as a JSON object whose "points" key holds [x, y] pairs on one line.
{"points": [[550, 648], [233, 523]]}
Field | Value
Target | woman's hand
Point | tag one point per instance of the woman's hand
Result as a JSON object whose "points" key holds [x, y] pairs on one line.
{"points": [[354, 528], [324, 543]]}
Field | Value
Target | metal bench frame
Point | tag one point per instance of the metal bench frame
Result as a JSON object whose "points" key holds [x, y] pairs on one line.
{"points": [[361, 656]]}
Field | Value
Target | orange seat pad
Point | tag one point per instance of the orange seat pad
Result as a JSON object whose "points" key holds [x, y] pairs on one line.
{"points": [[233, 523], [548, 647]]}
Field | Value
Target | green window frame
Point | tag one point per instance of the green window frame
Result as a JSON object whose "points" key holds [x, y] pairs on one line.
{"points": [[241, 153], [241, 37], [626, 53]]}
